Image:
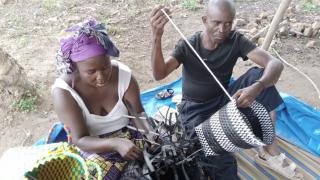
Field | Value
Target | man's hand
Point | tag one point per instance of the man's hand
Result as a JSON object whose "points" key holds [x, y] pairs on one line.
{"points": [[158, 20], [246, 96], [127, 149]]}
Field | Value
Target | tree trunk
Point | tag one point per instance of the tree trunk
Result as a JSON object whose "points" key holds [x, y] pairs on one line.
{"points": [[13, 80]]}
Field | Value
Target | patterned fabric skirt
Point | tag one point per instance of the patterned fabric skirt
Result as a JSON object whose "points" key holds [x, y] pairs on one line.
{"points": [[112, 164]]}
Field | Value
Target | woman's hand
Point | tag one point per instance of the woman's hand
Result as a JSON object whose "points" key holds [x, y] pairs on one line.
{"points": [[127, 149]]}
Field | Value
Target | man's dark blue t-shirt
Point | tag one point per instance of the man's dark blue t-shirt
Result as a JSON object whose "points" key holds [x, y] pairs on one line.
{"points": [[198, 84]]}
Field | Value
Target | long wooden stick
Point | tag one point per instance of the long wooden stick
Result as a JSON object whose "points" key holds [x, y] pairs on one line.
{"points": [[275, 23]]}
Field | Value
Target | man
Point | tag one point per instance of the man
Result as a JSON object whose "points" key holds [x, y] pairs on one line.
{"points": [[219, 47]]}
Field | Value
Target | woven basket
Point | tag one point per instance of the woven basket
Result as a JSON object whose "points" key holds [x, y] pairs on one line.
{"points": [[231, 129], [63, 162]]}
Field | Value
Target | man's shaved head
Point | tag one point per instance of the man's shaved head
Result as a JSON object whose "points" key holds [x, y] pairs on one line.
{"points": [[223, 5], [218, 20]]}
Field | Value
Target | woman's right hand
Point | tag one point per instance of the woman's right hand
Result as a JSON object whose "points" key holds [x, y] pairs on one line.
{"points": [[127, 149]]}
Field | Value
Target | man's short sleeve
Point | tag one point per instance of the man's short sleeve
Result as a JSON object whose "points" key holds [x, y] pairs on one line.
{"points": [[245, 46], [179, 52]]}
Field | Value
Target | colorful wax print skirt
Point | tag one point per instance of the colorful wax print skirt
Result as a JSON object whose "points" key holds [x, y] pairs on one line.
{"points": [[112, 164]]}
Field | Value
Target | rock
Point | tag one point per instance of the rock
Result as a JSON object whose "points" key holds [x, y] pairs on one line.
{"points": [[284, 23], [299, 27], [291, 10], [260, 41], [174, 2], [253, 30], [200, 1], [239, 22], [5, 2], [307, 32], [284, 31], [252, 25], [293, 20], [297, 49], [299, 7], [263, 15], [315, 33], [270, 17], [316, 26], [313, 44]]}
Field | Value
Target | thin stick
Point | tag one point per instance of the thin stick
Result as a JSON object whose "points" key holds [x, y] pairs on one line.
{"points": [[295, 68], [133, 117], [187, 158], [141, 130], [275, 23], [201, 60]]}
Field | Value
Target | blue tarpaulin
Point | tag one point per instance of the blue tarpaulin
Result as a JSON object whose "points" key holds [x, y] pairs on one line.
{"points": [[297, 122]]}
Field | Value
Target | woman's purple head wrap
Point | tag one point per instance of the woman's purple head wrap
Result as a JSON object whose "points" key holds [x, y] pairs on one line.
{"points": [[89, 40]]}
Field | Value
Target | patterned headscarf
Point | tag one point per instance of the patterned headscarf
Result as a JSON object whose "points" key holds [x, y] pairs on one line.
{"points": [[89, 40]]}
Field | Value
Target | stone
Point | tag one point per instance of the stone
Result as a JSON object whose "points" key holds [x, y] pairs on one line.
{"points": [[270, 17], [263, 15], [291, 10], [253, 30], [284, 31], [284, 23], [315, 33], [299, 27], [260, 41], [258, 20], [316, 26], [252, 25], [239, 22], [307, 32], [313, 44], [293, 20]]}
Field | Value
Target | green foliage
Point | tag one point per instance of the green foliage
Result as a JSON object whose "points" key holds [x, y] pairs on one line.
{"points": [[27, 103], [309, 5], [189, 4]]}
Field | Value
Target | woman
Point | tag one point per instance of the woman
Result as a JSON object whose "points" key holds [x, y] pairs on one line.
{"points": [[89, 98]]}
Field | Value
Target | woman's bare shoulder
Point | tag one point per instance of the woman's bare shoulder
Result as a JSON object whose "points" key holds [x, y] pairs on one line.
{"points": [[66, 78], [58, 92]]}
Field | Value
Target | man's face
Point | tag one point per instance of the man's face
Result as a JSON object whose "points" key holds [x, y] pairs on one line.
{"points": [[218, 24]]}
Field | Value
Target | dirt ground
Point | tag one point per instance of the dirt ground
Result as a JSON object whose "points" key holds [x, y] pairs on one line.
{"points": [[30, 30]]}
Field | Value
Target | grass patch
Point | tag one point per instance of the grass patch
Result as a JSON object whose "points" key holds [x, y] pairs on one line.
{"points": [[111, 27], [27, 103], [23, 41], [113, 30], [189, 4], [309, 5]]}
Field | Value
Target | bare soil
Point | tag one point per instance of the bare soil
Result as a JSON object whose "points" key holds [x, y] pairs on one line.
{"points": [[30, 33]]}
